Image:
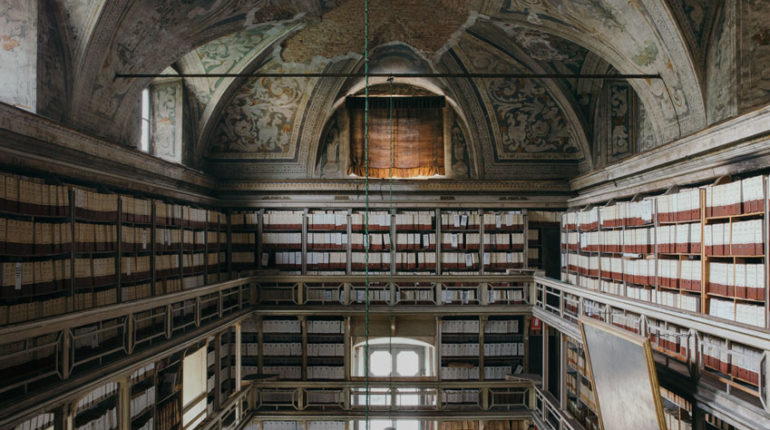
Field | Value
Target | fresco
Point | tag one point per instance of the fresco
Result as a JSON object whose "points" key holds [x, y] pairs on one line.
{"points": [[695, 20], [460, 164], [124, 40], [80, 16], [634, 36], [529, 119], [166, 120], [536, 10], [223, 55], [620, 120], [397, 58], [646, 137], [722, 79], [259, 121], [755, 55], [531, 123], [561, 55], [331, 159], [341, 30], [52, 96], [18, 53]]}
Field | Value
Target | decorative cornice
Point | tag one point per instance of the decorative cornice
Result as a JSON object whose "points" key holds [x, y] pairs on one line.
{"points": [[28, 141], [347, 186], [736, 145]]}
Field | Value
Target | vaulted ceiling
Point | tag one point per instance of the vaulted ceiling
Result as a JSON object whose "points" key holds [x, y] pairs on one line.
{"points": [[247, 125]]}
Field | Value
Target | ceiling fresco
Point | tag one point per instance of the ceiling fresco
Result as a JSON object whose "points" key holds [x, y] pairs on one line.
{"points": [[531, 124], [251, 119], [341, 30]]}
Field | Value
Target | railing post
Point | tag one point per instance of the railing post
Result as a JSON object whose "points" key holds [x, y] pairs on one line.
{"points": [[197, 311], [253, 293], [764, 395], [66, 345], [346, 398], [580, 306], [252, 399], [301, 398], [532, 397], [693, 346], [130, 333], [544, 328], [218, 371], [239, 410], [63, 418], [220, 303], [532, 292], [240, 296], [300, 293], [169, 322], [238, 358], [124, 403]]}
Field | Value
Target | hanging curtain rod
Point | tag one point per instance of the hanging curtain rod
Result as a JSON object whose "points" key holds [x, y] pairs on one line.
{"points": [[394, 75]]}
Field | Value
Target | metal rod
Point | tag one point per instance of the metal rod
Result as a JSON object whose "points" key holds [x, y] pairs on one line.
{"points": [[395, 75]]}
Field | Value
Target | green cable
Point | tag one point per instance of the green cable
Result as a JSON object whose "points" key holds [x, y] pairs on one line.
{"points": [[392, 248], [366, 212]]}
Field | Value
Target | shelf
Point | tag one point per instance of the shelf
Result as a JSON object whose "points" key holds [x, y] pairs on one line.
{"points": [[734, 298], [503, 358], [143, 415], [96, 410], [735, 256], [738, 216]]}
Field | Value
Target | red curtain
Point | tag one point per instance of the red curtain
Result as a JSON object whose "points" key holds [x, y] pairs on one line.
{"points": [[418, 137]]}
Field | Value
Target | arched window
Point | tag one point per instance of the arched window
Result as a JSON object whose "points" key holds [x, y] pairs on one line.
{"points": [[396, 358], [162, 111], [400, 357]]}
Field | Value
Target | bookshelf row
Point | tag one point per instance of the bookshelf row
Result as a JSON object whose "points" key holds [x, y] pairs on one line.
{"points": [[290, 347], [403, 293], [677, 411], [724, 359], [701, 249], [538, 223], [318, 348], [152, 394], [473, 348], [314, 241], [426, 424], [153, 399], [65, 248], [580, 395]]}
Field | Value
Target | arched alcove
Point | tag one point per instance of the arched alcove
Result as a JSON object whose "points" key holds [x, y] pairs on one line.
{"points": [[431, 119]]}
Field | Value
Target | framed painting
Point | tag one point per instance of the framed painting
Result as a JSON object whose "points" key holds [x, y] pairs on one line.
{"points": [[622, 371]]}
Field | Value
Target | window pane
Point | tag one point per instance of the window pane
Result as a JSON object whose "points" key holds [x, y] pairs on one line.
{"points": [[407, 363], [145, 137], [380, 363], [194, 386], [407, 425], [375, 425]]}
